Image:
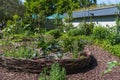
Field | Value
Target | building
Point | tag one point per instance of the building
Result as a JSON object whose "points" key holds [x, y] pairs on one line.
{"points": [[102, 16]]}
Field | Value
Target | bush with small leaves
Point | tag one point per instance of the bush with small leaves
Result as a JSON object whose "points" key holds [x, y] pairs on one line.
{"points": [[115, 39], [74, 32], [86, 28], [101, 33], [56, 33]]}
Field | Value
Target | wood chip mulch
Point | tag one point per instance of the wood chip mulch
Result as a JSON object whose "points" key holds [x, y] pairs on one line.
{"points": [[98, 66], [93, 72]]}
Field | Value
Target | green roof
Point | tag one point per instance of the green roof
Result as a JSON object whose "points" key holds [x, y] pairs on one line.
{"points": [[55, 16]]}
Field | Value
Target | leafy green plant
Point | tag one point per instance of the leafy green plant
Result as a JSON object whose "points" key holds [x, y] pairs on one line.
{"points": [[83, 40], [48, 44], [115, 39], [74, 32], [66, 42], [106, 45], [110, 66], [75, 49], [45, 40], [101, 33], [22, 52], [56, 33], [43, 75], [79, 44], [86, 28], [14, 27], [56, 73]]}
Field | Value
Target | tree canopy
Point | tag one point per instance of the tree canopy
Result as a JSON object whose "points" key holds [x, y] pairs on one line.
{"points": [[8, 8], [49, 7]]}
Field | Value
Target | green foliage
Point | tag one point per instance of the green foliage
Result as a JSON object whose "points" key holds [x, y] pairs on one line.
{"points": [[66, 42], [74, 32], [75, 49], [115, 39], [83, 29], [67, 27], [63, 6], [56, 73], [46, 40], [9, 8], [21, 52], [86, 3], [56, 33], [86, 28], [117, 24], [110, 66], [48, 44], [69, 43], [43, 75], [14, 27], [83, 40], [114, 49], [105, 44], [101, 33]]}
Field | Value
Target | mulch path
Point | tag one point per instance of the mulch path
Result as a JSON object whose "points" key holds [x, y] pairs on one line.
{"points": [[93, 72]]}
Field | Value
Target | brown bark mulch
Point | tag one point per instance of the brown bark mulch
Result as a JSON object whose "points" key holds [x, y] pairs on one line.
{"points": [[93, 72], [99, 64], [10, 75]]}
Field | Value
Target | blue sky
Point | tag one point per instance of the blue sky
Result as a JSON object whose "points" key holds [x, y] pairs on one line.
{"points": [[105, 1]]}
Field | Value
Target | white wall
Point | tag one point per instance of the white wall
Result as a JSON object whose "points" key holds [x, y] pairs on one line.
{"points": [[103, 21], [75, 24]]}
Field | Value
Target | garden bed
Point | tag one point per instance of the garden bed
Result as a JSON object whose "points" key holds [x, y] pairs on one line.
{"points": [[36, 66]]}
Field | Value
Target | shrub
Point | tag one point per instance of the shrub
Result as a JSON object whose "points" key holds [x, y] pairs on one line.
{"points": [[114, 49], [74, 32], [67, 42], [101, 33], [45, 40], [56, 33], [86, 28], [115, 39], [14, 27]]}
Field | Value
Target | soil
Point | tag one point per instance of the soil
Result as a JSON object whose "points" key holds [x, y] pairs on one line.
{"points": [[94, 71]]}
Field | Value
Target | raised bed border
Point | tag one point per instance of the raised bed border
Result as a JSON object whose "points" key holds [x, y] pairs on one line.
{"points": [[36, 66]]}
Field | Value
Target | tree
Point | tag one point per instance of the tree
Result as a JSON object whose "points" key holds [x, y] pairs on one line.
{"points": [[44, 8], [8, 8], [86, 3]]}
